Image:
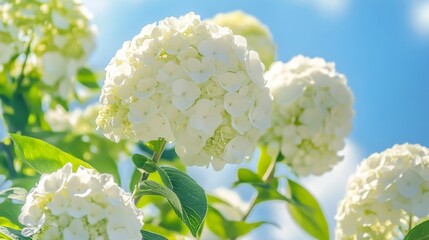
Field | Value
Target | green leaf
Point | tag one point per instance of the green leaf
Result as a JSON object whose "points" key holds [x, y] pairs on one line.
{"points": [[419, 232], [164, 177], [245, 175], [151, 236], [87, 78], [164, 231], [264, 162], [307, 212], [227, 229], [149, 187], [191, 196], [144, 163], [169, 154], [99, 152], [267, 191], [187, 198], [10, 211], [42, 156], [13, 234], [4, 222], [156, 145]]}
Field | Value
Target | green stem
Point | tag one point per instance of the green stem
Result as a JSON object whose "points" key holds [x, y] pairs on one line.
{"points": [[145, 175], [410, 222], [267, 177]]}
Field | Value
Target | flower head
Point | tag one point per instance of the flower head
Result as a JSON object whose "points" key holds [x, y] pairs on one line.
{"points": [[80, 205], [387, 189], [187, 81], [312, 114], [258, 35], [58, 34]]}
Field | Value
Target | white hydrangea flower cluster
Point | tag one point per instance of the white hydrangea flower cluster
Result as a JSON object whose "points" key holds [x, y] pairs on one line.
{"points": [[81, 205], [60, 34], [312, 114], [257, 34], [80, 121], [385, 191], [190, 81]]}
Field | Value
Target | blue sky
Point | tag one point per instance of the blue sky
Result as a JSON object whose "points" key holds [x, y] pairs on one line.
{"points": [[381, 46]]}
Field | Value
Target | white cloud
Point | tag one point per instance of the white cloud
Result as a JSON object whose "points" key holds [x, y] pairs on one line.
{"points": [[332, 6], [420, 17], [98, 7]]}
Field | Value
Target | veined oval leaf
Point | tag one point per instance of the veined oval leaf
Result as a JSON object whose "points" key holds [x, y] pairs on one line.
{"points": [[164, 177], [306, 212], [151, 236], [187, 198], [191, 196], [149, 187], [419, 232], [42, 156]]}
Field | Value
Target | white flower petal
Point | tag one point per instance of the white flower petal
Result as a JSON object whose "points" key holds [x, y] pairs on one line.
{"points": [[184, 94], [235, 105]]}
